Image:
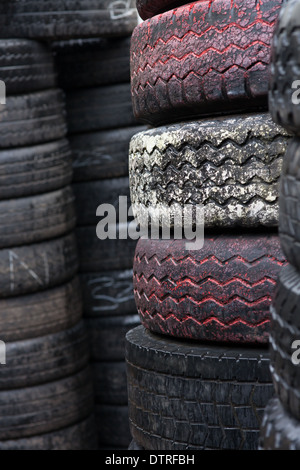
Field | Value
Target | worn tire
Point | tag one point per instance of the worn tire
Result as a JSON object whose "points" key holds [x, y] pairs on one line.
{"points": [[229, 165], [33, 170], [170, 83], [110, 382], [19, 116], [67, 19], [149, 8], [188, 396], [113, 425], [221, 292], [37, 267]]}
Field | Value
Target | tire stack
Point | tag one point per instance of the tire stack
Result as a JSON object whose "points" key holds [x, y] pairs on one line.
{"points": [[96, 78], [281, 427], [198, 367], [46, 394]]}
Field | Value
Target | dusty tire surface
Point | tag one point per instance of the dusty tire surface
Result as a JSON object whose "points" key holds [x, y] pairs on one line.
{"points": [[229, 165], [202, 58], [221, 292], [186, 396]]}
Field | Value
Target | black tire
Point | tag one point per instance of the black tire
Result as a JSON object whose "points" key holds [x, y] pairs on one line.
{"points": [[104, 255], [46, 359], [45, 408], [113, 425], [40, 314], [19, 116], [58, 19], [135, 446], [36, 218], [26, 66], [37, 267], [35, 170], [79, 436], [101, 155], [110, 382], [289, 200], [107, 293], [230, 165], [107, 336], [279, 430], [92, 62], [95, 109], [91, 194], [284, 69], [188, 396]]}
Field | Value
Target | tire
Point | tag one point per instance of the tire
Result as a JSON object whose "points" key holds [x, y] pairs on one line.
{"points": [[37, 267], [36, 218], [46, 359], [289, 219], [279, 431], [35, 170], [221, 292], [40, 314], [80, 436], [107, 336], [91, 194], [284, 69], [92, 62], [110, 382], [54, 20], [107, 293], [135, 446], [18, 119], [101, 155], [285, 330], [26, 66], [188, 396], [96, 109], [113, 425], [168, 81], [229, 165], [46, 408], [149, 8], [104, 255]]}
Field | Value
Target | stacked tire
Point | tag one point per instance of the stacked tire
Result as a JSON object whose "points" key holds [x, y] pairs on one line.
{"points": [[95, 76], [198, 367], [46, 394], [281, 425]]}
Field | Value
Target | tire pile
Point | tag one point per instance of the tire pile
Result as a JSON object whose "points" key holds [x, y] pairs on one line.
{"points": [[198, 367], [281, 426], [95, 76]]}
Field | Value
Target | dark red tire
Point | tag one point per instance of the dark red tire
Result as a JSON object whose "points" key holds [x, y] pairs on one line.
{"points": [[222, 292], [170, 82], [149, 8]]}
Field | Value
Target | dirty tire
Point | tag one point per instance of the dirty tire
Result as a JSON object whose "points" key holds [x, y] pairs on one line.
{"points": [[284, 69], [186, 396], [19, 116], [33, 170], [26, 66], [113, 425], [67, 19], [37, 267], [149, 8], [170, 83], [45, 408], [36, 218], [221, 292], [110, 382], [100, 155], [92, 62], [107, 293], [95, 109], [40, 314], [229, 165], [279, 430]]}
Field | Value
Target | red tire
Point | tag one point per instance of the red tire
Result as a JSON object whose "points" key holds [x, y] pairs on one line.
{"points": [[222, 292], [208, 57], [149, 8]]}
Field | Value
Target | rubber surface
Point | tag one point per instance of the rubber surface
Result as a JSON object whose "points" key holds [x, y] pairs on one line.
{"points": [[208, 57], [230, 165], [221, 292], [188, 396]]}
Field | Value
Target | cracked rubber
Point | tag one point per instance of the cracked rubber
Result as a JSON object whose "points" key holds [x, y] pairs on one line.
{"points": [[221, 292], [208, 57], [187, 396], [230, 165]]}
